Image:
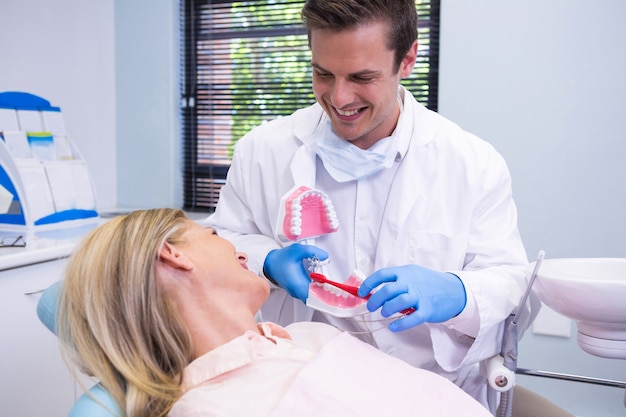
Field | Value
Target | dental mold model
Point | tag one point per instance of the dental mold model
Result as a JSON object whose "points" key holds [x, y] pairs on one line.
{"points": [[306, 213], [332, 300]]}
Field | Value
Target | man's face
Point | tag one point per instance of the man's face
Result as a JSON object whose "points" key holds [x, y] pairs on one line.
{"points": [[355, 83]]}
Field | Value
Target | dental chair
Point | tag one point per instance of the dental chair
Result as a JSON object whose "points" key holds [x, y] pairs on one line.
{"points": [[96, 402]]}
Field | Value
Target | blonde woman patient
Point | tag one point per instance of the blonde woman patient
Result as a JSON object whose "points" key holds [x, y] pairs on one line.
{"points": [[162, 311]]}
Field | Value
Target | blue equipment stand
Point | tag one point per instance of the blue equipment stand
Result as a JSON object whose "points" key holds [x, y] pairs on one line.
{"points": [[46, 176]]}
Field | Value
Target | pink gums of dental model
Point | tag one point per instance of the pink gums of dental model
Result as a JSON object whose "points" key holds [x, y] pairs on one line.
{"points": [[307, 213], [350, 289]]}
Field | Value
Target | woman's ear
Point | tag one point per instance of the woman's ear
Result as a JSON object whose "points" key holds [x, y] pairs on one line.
{"points": [[174, 257]]}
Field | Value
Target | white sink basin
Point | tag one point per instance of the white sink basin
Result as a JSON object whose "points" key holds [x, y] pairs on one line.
{"points": [[591, 291]]}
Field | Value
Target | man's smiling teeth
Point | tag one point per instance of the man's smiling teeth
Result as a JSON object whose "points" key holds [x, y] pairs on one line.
{"points": [[347, 113]]}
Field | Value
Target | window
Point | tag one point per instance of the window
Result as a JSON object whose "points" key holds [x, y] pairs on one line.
{"points": [[246, 62]]}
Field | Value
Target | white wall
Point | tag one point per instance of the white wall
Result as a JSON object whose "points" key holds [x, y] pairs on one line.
{"points": [[147, 88], [544, 82], [112, 67], [64, 52]]}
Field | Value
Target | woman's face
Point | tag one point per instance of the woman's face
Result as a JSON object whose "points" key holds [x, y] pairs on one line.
{"points": [[222, 271]]}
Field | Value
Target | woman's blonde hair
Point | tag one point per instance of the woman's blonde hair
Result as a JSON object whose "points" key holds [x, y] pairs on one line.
{"points": [[115, 322]]}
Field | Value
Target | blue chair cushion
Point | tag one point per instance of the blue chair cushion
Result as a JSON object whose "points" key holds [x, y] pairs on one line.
{"points": [[97, 402], [87, 406], [47, 306]]}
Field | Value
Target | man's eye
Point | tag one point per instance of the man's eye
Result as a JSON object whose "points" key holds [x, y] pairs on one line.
{"points": [[363, 79]]}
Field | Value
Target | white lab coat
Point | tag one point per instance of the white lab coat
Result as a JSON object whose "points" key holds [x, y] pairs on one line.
{"points": [[449, 208]]}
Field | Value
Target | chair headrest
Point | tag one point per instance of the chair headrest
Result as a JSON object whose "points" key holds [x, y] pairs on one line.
{"points": [[48, 305], [91, 403], [97, 402]]}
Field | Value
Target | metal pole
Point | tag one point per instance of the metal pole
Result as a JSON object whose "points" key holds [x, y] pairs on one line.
{"points": [[569, 377]]}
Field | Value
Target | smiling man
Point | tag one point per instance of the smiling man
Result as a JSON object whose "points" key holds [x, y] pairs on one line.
{"points": [[425, 209], [356, 79]]}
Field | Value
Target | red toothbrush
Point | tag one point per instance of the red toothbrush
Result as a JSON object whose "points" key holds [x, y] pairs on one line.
{"points": [[350, 289]]}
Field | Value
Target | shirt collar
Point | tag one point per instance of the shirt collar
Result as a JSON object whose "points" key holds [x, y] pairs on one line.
{"points": [[235, 354]]}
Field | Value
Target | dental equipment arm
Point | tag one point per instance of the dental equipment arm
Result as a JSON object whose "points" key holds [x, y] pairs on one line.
{"points": [[285, 267], [501, 368], [436, 296]]}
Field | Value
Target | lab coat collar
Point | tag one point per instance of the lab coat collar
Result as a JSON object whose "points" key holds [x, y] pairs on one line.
{"points": [[405, 124], [305, 132], [303, 162]]}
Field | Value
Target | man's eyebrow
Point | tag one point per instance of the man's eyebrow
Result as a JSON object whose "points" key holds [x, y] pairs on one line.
{"points": [[362, 73], [318, 67]]}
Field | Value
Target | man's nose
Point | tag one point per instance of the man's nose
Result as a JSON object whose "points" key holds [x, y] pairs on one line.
{"points": [[341, 94]]}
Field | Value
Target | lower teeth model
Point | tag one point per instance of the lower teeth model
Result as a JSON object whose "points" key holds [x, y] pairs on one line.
{"points": [[336, 297], [332, 300]]}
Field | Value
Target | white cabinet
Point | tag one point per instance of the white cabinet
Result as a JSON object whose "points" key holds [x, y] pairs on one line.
{"points": [[34, 380]]}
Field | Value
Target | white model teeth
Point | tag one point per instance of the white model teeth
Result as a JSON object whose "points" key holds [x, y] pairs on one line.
{"points": [[296, 212], [296, 218], [334, 290], [331, 215], [347, 113]]}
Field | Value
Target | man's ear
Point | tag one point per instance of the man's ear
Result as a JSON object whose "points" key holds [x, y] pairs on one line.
{"points": [[408, 62], [172, 256]]}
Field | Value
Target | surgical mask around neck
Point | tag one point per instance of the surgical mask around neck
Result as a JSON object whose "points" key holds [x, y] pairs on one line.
{"points": [[347, 162]]}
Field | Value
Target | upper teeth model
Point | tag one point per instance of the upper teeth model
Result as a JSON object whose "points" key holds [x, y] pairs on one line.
{"points": [[307, 213]]}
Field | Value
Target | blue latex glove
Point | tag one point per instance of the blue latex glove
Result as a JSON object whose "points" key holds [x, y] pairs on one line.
{"points": [[285, 267], [436, 296]]}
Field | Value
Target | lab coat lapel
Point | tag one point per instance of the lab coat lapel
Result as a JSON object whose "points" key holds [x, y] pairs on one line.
{"points": [[303, 162], [303, 167], [407, 188]]}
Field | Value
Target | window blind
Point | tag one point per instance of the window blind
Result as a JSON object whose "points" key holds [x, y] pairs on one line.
{"points": [[248, 62]]}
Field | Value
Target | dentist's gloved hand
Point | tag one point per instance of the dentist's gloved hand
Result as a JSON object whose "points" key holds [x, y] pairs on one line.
{"points": [[285, 267], [436, 296]]}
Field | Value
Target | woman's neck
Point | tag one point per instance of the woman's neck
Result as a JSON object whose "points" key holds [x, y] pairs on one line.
{"points": [[209, 330]]}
